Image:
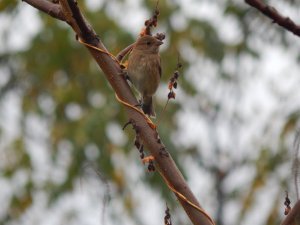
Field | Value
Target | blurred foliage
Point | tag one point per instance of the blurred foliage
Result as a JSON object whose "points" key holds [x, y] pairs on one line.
{"points": [[58, 82]]}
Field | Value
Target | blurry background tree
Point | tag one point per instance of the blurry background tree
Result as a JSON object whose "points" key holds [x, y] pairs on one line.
{"points": [[64, 156]]}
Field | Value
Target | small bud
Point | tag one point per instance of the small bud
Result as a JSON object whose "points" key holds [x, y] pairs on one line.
{"points": [[175, 85], [171, 95], [137, 144], [151, 167]]}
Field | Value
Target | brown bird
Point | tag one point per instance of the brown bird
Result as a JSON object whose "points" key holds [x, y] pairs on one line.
{"points": [[144, 70]]}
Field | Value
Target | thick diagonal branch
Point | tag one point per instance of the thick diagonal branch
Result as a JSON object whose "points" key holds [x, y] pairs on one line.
{"points": [[273, 14], [150, 137]]}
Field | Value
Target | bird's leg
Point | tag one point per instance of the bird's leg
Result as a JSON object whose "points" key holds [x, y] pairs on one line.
{"points": [[124, 73], [150, 123], [140, 104]]}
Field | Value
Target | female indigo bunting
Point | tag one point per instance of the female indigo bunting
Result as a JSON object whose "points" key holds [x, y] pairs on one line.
{"points": [[144, 70]]}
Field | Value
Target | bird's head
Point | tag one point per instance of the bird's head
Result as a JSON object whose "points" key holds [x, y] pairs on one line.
{"points": [[148, 44]]}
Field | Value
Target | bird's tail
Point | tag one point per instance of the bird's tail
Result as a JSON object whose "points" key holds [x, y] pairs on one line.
{"points": [[148, 107]]}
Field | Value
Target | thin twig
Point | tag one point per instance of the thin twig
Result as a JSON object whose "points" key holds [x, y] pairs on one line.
{"points": [[274, 15]]}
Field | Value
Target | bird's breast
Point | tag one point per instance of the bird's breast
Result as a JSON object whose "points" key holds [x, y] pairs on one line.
{"points": [[144, 72]]}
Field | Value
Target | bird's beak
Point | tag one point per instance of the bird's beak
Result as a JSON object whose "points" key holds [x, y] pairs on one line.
{"points": [[158, 43]]}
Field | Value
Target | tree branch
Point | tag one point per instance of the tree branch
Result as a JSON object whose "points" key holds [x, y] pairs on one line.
{"points": [[294, 215], [273, 14], [149, 136], [50, 8]]}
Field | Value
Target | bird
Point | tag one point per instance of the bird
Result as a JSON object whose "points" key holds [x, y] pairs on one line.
{"points": [[144, 70]]}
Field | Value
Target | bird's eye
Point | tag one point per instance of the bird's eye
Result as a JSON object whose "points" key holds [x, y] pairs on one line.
{"points": [[148, 43]]}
